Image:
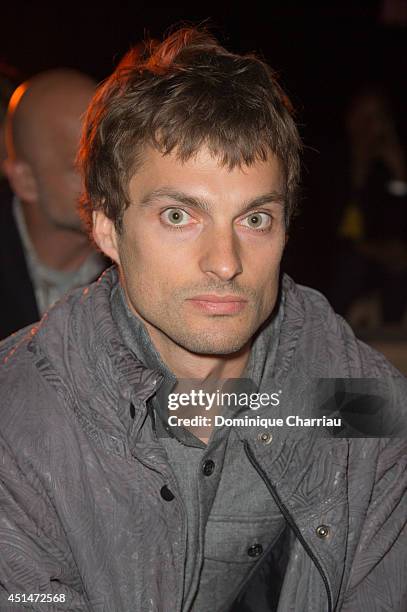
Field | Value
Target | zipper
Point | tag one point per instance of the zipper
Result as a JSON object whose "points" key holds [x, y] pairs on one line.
{"points": [[286, 513]]}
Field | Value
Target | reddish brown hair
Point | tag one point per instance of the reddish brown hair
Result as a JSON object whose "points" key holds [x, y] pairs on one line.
{"points": [[180, 95]]}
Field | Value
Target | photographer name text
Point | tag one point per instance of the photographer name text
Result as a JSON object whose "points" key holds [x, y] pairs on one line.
{"points": [[218, 420]]}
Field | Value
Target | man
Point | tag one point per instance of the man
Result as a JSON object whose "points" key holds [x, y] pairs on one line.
{"points": [[44, 250], [191, 164]]}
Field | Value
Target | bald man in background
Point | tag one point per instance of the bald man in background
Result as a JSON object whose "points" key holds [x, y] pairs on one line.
{"points": [[44, 251]]}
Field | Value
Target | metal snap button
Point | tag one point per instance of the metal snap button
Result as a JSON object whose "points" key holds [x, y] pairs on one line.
{"points": [[208, 467], [265, 437], [322, 531], [255, 550], [166, 493]]}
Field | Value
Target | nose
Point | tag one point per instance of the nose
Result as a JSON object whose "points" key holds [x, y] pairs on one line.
{"points": [[220, 254]]}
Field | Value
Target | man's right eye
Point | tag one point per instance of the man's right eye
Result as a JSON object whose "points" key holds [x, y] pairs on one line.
{"points": [[176, 217]]}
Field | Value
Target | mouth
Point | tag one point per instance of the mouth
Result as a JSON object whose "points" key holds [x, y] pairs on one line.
{"points": [[218, 304]]}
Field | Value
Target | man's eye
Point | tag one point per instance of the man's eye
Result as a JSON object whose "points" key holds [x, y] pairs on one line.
{"points": [[176, 216], [257, 220]]}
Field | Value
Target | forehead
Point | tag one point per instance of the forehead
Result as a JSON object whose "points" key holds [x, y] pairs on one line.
{"points": [[203, 175]]}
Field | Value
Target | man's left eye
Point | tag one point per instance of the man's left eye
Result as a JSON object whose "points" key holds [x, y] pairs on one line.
{"points": [[257, 220], [176, 217]]}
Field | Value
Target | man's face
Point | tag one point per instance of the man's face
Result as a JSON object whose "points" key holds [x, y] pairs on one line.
{"points": [[52, 150], [58, 181], [200, 249]]}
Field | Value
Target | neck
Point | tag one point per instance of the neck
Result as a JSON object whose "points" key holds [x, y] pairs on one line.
{"points": [[209, 369], [56, 248]]}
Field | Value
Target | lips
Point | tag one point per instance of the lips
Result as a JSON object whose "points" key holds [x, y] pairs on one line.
{"points": [[218, 304]]}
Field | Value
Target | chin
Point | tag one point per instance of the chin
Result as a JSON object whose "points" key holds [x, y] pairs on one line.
{"points": [[210, 345]]}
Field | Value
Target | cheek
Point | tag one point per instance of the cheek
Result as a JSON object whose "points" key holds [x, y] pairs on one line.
{"points": [[263, 258], [59, 192], [263, 268], [72, 182], [146, 267], [151, 254]]}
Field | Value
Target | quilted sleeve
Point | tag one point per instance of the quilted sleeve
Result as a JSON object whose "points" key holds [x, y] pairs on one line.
{"points": [[378, 578], [37, 571]]}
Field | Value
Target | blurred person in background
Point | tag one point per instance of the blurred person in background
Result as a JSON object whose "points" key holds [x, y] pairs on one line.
{"points": [[44, 251], [369, 196]]}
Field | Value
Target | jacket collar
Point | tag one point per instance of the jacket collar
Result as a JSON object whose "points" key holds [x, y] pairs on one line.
{"points": [[102, 374], [79, 350]]}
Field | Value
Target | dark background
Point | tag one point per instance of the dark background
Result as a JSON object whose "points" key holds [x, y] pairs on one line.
{"points": [[322, 52]]}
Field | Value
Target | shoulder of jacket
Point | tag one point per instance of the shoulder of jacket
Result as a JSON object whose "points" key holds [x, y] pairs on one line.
{"points": [[336, 335]]}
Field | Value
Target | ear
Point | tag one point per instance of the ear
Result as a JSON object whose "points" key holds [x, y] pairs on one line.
{"points": [[22, 179], [105, 235]]}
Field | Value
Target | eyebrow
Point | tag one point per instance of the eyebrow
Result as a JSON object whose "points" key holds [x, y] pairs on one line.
{"points": [[201, 204]]}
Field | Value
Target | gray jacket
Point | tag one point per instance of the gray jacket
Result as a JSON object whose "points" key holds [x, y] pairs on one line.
{"points": [[81, 515]]}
